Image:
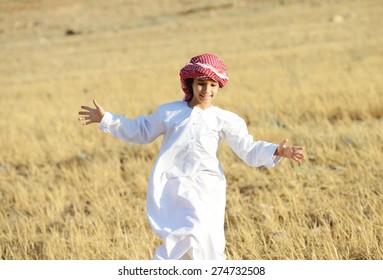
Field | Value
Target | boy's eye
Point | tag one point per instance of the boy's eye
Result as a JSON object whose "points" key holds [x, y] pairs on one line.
{"points": [[204, 83]]}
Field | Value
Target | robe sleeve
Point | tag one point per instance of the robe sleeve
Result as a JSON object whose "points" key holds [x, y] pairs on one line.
{"points": [[141, 130], [254, 153]]}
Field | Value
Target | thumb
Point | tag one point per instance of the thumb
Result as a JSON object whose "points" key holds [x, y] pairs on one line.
{"points": [[282, 146], [95, 103], [98, 107], [284, 142]]}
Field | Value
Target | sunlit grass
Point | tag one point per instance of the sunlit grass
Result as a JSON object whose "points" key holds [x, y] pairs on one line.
{"points": [[71, 192]]}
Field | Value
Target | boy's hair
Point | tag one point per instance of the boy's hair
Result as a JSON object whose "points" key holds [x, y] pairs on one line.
{"points": [[189, 85]]}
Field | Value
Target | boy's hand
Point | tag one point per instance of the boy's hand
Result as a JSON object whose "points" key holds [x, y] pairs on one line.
{"points": [[91, 115], [292, 152]]}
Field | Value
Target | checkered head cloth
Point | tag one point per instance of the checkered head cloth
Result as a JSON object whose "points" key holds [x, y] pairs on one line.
{"points": [[203, 67]]}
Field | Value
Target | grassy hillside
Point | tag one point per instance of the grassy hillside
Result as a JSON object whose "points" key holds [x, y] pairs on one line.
{"points": [[309, 70]]}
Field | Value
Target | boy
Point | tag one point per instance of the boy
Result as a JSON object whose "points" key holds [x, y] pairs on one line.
{"points": [[187, 188]]}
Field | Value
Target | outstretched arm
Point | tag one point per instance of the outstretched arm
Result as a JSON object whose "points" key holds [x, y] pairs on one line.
{"points": [[292, 152], [91, 115]]}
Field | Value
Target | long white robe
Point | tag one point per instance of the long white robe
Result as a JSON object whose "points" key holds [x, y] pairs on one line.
{"points": [[186, 195]]}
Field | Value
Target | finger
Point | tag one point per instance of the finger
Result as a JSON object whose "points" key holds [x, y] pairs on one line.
{"points": [[283, 143], [299, 148], [86, 108], [84, 113], [84, 118], [96, 104], [297, 159], [88, 122], [300, 157], [281, 147]]}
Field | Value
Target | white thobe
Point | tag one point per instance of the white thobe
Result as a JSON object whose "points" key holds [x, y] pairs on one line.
{"points": [[186, 194]]}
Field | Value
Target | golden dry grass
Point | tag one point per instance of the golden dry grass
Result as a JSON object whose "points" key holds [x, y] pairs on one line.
{"points": [[310, 70]]}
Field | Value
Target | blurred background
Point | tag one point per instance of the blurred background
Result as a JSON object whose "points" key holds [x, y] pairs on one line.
{"points": [[310, 70]]}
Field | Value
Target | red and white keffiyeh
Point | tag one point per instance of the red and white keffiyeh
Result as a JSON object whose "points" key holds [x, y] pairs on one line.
{"points": [[204, 67]]}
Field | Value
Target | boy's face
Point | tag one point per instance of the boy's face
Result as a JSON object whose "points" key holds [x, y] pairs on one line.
{"points": [[204, 92]]}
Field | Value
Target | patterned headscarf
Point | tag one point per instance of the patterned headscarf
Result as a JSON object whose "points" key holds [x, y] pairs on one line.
{"points": [[203, 67]]}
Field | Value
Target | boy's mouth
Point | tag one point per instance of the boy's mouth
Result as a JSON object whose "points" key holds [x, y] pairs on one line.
{"points": [[205, 95]]}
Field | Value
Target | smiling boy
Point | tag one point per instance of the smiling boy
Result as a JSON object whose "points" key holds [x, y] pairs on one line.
{"points": [[186, 194]]}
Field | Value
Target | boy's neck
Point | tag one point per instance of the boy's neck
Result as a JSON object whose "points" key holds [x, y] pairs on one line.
{"points": [[201, 106]]}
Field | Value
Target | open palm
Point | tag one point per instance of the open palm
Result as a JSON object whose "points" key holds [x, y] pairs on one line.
{"points": [[91, 115], [292, 152]]}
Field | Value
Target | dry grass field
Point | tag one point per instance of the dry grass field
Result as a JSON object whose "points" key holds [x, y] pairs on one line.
{"points": [[310, 70]]}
